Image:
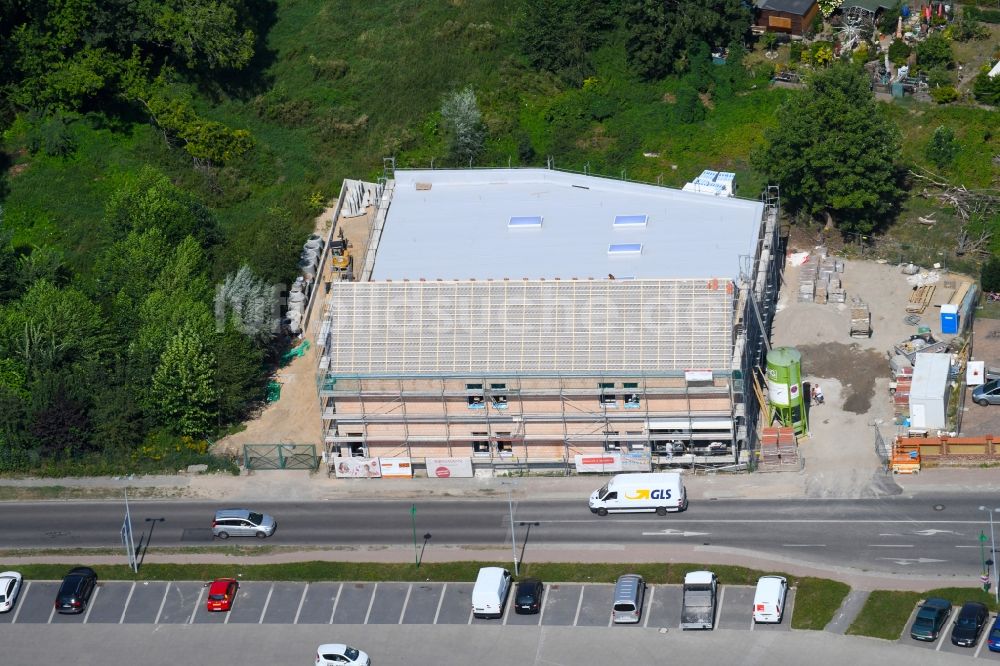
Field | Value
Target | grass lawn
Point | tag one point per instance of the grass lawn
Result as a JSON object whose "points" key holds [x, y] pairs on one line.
{"points": [[816, 602], [885, 613]]}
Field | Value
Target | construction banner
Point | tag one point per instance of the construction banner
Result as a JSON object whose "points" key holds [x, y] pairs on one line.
{"points": [[357, 468]]}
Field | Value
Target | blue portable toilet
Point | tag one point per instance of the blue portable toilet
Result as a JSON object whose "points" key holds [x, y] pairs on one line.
{"points": [[949, 319]]}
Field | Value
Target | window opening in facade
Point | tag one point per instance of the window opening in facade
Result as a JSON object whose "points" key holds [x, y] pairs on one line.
{"points": [[631, 398], [608, 398], [498, 396], [480, 444], [505, 446], [475, 398]]}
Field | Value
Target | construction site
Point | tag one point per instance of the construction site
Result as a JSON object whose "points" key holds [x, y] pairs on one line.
{"points": [[500, 321]]}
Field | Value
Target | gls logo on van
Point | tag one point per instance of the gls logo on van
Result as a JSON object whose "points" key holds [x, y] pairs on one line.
{"points": [[655, 493]]}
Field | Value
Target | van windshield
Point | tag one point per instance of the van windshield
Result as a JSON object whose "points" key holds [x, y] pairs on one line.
{"points": [[603, 491]]}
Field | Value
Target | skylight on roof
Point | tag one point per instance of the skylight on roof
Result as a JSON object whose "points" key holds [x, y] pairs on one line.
{"points": [[525, 222], [625, 248], [630, 221]]}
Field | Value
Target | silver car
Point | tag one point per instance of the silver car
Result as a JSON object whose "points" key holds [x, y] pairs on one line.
{"points": [[987, 394], [242, 522]]}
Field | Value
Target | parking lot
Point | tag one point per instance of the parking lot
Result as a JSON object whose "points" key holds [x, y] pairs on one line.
{"points": [[568, 605], [943, 643]]}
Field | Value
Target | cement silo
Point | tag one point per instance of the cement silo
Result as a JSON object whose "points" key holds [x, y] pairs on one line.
{"points": [[784, 388]]}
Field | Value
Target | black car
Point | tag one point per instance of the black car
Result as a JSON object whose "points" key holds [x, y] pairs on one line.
{"points": [[76, 589], [930, 619], [971, 620], [528, 598]]}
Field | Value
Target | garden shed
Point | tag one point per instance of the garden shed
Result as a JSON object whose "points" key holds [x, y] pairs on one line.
{"points": [[790, 16]]}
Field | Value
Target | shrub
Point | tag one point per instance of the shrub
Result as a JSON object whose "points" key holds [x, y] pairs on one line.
{"points": [[944, 94], [940, 76], [688, 108], [935, 51], [967, 30], [987, 89], [795, 50], [984, 15], [942, 148]]}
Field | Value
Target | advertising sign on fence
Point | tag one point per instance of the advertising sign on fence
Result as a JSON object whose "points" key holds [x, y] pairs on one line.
{"points": [[357, 468], [395, 468], [598, 462], [445, 468]]}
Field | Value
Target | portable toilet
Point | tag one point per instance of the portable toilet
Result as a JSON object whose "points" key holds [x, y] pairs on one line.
{"points": [[949, 319]]}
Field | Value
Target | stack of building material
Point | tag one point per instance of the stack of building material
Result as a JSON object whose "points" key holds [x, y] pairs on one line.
{"points": [[861, 320], [778, 449], [901, 398], [807, 280]]}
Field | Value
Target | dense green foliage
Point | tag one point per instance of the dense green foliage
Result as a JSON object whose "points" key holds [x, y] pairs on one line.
{"points": [[661, 34], [990, 275], [987, 89], [835, 153], [560, 36], [935, 51], [942, 148]]}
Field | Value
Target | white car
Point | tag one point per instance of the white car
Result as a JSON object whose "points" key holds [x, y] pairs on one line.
{"points": [[10, 585], [338, 654]]}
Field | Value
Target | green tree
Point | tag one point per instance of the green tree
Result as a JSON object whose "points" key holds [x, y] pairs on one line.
{"points": [[183, 389], [659, 34], [59, 422], [987, 89], [899, 52], [935, 51], [465, 133], [942, 148], [239, 374], [989, 275], [148, 200], [834, 151]]}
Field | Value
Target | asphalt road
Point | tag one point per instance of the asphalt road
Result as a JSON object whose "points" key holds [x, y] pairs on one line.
{"points": [[908, 535]]}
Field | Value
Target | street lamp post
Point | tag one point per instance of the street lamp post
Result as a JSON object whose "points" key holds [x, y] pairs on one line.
{"points": [[993, 553]]}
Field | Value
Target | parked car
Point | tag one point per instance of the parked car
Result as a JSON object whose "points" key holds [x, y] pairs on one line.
{"points": [[76, 589], [931, 616], [528, 598], [993, 640], [242, 522], [969, 625], [10, 585], [221, 594], [987, 394], [338, 654]]}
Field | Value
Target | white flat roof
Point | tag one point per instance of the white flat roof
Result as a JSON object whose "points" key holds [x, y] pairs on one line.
{"points": [[457, 224]]}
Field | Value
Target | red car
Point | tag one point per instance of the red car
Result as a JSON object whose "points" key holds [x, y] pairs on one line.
{"points": [[221, 594]]}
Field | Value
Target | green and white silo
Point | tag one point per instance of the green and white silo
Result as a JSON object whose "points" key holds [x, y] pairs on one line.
{"points": [[784, 388]]}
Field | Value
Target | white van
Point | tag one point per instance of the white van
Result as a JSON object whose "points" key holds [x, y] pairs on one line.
{"points": [[648, 491], [769, 599], [490, 593]]}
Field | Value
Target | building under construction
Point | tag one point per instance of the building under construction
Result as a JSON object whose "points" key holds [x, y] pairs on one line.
{"points": [[532, 319]]}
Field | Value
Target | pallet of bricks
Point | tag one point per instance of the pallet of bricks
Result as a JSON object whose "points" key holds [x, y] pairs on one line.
{"points": [[861, 320], [819, 279], [778, 447], [901, 397]]}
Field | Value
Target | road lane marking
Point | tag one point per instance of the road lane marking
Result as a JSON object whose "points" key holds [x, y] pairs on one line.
{"points": [[649, 606], [197, 602], [20, 601], [335, 602], [128, 599], [932, 532], [371, 603], [576, 618], [672, 532], [302, 600], [803, 545], [890, 545], [905, 561], [266, 604], [541, 612], [162, 602], [405, 602], [440, 602]]}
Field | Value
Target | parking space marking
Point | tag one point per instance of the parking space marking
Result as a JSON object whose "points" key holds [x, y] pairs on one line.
{"points": [[472, 614], [652, 593], [506, 610], [20, 601], [541, 613], [90, 604], [944, 628], [266, 602], [51, 614], [336, 601], [718, 609], [405, 602], [162, 602], [444, 591], [984, 639], [371, 602], [121, 620], [301, 601], [579, 604], [197, 602]]}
